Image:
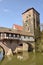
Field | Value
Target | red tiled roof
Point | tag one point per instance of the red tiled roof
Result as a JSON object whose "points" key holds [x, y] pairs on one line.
{"points": [[18, 27]]}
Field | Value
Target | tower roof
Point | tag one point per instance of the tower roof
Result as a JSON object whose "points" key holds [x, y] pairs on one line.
{"points": [[31, 9]]}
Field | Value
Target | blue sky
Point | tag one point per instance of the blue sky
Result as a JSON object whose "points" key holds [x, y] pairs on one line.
{"points": [[11, 11]]}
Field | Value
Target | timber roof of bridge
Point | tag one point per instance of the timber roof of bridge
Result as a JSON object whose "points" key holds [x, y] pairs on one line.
{"points": [[10, 30]]}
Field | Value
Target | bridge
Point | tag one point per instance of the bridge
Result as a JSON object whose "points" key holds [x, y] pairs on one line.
{"points": [[4, 47], [11, 40], [9, 46]]}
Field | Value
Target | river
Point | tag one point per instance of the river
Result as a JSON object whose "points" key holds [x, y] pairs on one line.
{"points": [[1, 56], [25, 58]]}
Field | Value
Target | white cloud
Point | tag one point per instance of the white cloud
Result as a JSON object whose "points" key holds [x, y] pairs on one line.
{"points": [[6, 10]]}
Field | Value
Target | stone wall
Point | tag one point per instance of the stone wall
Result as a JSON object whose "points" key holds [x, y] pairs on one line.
{"points": [[8, 44], [13, 46], [25, 46]]}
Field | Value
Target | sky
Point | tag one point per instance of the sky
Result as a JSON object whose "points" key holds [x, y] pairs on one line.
{"points": [[11, 11]]}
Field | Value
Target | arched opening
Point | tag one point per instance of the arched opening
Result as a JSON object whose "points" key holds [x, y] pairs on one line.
{"points": [[2, 50], [30, 47]]}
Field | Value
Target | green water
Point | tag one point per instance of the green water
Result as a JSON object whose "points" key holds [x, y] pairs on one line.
{"points": [[24, 58]]}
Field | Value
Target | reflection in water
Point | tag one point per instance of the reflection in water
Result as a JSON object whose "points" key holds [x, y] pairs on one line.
{"points": [[23, 56], [26, 56], [9, 57], [1, 56]]}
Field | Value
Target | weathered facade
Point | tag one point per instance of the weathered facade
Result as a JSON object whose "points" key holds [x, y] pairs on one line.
{"points": [[31, 21], [21, 40]]}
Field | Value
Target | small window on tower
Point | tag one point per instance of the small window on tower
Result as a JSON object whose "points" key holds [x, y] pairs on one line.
{"points": [[25, 24], [34, 19], [28, 29], [29, 15], [26, 21]]}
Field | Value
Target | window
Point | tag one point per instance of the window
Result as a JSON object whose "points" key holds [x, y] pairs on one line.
{"points": [[26, 21], [15, 35], [31, 37], [37, 22], [25, 24], [34, 19], [26, 16], [19, 36], [28, 29], [9, 35], [29, 15], [22, 37], [26, 37], [20, 44]]}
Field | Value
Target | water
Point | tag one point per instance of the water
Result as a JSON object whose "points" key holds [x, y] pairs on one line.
{"points": [[1, 56], [24, 58]]}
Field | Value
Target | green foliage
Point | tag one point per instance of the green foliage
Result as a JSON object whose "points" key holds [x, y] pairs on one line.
{"points": [[39, 43]]}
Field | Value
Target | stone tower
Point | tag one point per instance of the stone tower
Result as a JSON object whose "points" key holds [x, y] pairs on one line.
{"points": [[31, 21]]}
